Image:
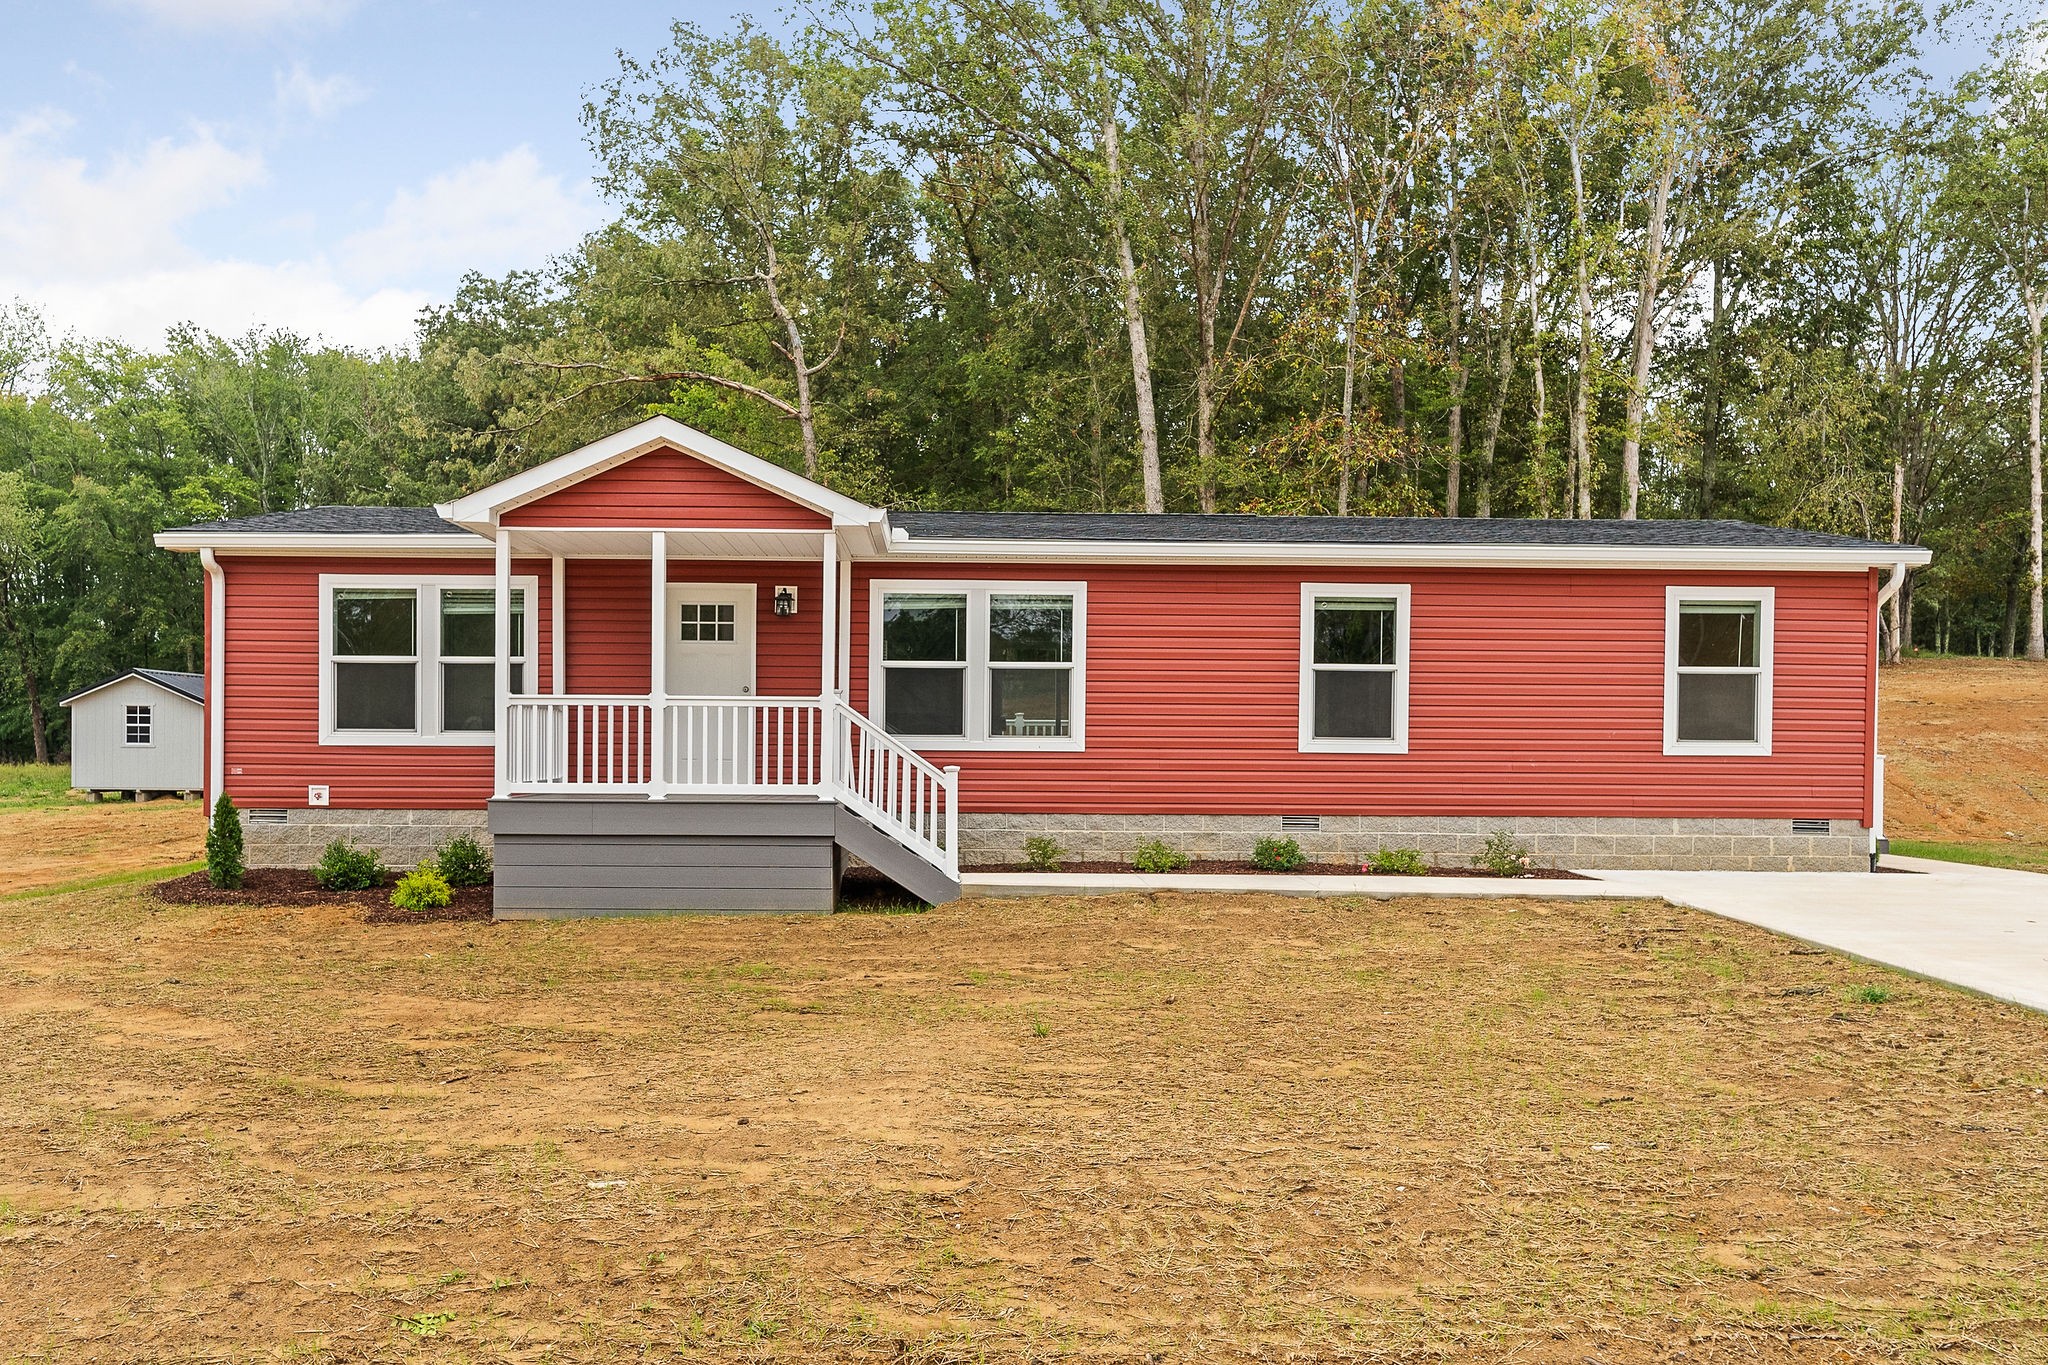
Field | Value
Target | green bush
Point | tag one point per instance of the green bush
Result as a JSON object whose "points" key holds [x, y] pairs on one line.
{"points": [[1156, 855], [423, 888], [1042, 854], [1503, 856], [224, 866], [1397, 862], [345, 867], [464, 862], [1277, 855]]}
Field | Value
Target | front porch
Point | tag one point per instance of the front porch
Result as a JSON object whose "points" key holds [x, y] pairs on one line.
{"points": [[734, 610]]}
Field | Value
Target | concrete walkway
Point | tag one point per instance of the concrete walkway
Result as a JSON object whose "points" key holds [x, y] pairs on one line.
{"points": [[1982, 928]]}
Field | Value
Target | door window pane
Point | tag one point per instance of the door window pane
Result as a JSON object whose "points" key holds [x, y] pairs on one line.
{"points": [[1030, 630], [1717, 634], [706, 621], [373, 696], [924, 627], [1717, 706], [1354, 704], [1029, 703], [374, 621], [924, 701], [469, 624], [1354, 631]]}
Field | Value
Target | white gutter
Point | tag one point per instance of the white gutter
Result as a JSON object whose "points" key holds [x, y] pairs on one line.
{"points": [[216, 673], [1894, 583]]}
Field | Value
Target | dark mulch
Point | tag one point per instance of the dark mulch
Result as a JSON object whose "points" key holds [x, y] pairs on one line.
{"points": [[1554, 874], [291, 886]]}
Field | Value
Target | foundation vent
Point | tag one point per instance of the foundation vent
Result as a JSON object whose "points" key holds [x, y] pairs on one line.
{"points": [[264, 817], [1812, 827], [1301, 822]]}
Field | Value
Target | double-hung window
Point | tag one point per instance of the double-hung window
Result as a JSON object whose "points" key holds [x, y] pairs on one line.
{"points": [[995, 665], [138, 727], [1717, 670], [409, 660], [1354, 668]]}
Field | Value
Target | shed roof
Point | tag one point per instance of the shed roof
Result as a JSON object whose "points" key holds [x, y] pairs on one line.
{"points": [[191, 686]]}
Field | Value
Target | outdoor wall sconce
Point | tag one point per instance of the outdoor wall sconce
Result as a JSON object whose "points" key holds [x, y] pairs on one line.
{"points": [[785, 601]]}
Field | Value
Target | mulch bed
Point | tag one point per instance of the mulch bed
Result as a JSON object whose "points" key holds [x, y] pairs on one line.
{"points": [[291, 886], [1554, 874]]}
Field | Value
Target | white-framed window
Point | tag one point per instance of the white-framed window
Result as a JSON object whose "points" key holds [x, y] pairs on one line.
{"points": [[408, 660], [138, 727], [979, 665], [1717, 670], [1354, 668]]}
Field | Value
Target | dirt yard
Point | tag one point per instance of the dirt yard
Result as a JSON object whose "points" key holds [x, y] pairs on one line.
{"points": [[53, 844], [1168, 1128], [1966, 750]]}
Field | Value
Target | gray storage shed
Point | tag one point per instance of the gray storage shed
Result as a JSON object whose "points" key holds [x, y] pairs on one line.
{"points": [[139, 732]]}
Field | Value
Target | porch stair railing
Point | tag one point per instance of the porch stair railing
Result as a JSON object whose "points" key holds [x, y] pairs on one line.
{"points": [[733, 746]]}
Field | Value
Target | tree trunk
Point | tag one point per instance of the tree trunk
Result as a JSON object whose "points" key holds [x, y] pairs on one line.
{"points": [[2012, 603], [1645, 339], [1710, 433], [1894, 609], [1456, 437], [39, 724], [2035, 300], [1582, 452], [1134, 324], [1497, 401], [793, 352], [1348, 442]]}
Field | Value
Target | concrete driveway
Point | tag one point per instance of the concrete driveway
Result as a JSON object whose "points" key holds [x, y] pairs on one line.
{"points": [[1984, 928]]}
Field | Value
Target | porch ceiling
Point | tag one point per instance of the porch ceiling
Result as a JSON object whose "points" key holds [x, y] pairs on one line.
{"points": [[611, 542]]}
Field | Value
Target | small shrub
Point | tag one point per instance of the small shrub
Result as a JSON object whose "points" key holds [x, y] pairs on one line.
{"points": [[224, 866], [423, 888], [464, 862], [1277, 855], [1042, 854], [1156, 855], [1871, 995], [345, 867], [1397, 862], [1503, 856]]}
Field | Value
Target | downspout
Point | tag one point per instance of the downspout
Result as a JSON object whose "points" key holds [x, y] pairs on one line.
{"points": [[1878, 843], [216, 672]]}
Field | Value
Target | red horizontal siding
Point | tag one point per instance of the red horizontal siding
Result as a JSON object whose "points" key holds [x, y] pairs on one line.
{"points": [[1535, 693], [273, 750], [666, 488]]}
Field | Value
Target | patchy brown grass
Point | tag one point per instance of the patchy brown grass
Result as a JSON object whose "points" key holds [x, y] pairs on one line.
{"points": [[1966, 751], [49, 845], [1143, 1128]]}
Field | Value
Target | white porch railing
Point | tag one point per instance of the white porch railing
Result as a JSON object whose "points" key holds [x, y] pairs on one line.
{"points": [[733, 746]]}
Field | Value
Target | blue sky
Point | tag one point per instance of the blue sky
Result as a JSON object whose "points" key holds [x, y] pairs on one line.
{"points": [[326, 165]]}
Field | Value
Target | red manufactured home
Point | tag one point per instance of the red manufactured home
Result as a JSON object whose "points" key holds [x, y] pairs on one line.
{"points": [[663, 674]]}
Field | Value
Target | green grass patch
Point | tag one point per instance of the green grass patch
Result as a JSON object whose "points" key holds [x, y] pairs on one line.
{"points": [[101, 882], [36, 784], [2021, 857]]}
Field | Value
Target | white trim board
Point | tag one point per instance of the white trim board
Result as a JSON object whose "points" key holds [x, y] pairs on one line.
{"points": [[975, 700], [1766, 601]]}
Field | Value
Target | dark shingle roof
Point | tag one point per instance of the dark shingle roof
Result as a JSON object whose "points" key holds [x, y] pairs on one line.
{"points": [[191, 685], [338, 521], [1235, 529]]}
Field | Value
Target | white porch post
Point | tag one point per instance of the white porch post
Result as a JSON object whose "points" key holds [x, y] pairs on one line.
{"points": [[657, 667], [828, 619], [557, 650], [845, 570], [501, 658]]}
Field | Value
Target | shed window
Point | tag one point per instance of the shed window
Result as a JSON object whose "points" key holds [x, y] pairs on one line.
{"points": [[1717, 687], [1354, 668], [139, 726], [981, 665], [411, 660]]}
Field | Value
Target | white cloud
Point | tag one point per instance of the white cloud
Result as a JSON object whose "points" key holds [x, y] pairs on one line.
{"points": [[59, 220], [243, 14], [103, 250], [488, 215], [299, 91]]}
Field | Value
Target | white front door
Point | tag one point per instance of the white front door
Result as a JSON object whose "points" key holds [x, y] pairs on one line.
{"points": [[711, 639], [710, 654]]}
